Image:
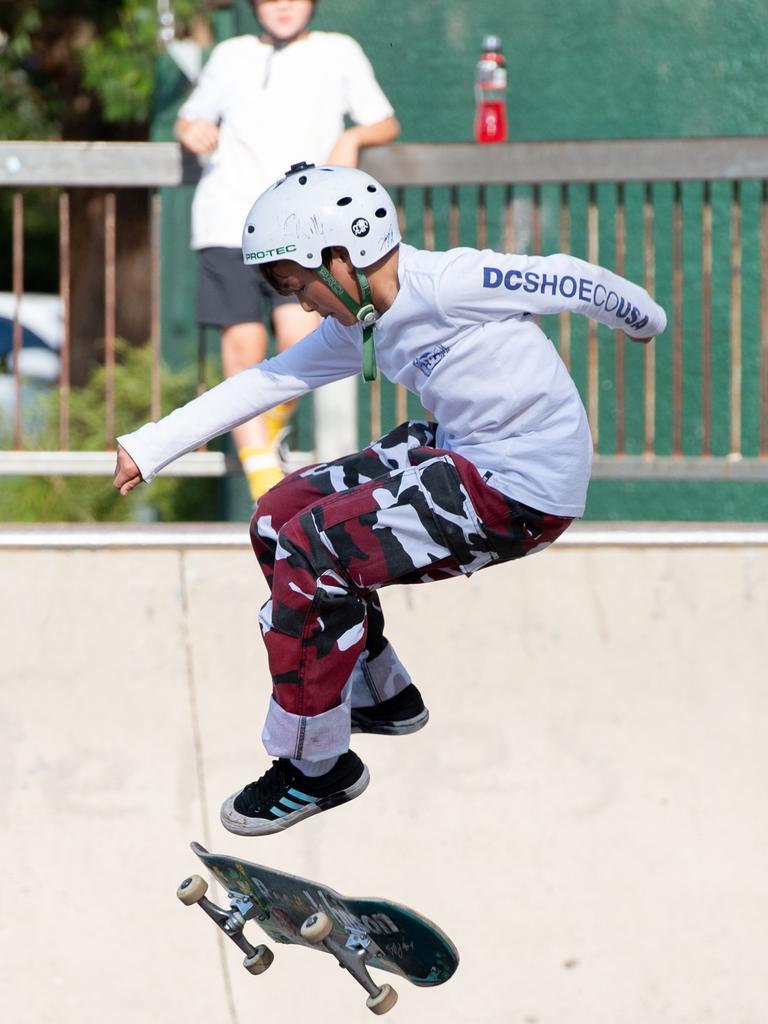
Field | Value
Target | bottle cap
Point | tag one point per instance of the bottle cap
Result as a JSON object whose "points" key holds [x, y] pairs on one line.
{"points": [[491, 43]]}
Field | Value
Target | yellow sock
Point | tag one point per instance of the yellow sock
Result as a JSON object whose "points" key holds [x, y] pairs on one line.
{"points": [[276, 420], [262, 469]]}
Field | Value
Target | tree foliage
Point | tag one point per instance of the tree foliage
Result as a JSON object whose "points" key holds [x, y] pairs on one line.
{"points": [[71, 68], [117, 66]]}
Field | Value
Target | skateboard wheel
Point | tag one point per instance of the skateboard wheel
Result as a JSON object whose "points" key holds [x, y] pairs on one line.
{"points": [[317, 927], [260, 961], [192, 890], [383, 1002]]}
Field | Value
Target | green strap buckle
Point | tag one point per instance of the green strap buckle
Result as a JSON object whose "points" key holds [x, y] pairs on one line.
{"points": [[367, 314]]}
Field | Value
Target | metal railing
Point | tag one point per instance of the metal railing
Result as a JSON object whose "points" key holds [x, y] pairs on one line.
{"points": [[688, 218], [109, 167]]}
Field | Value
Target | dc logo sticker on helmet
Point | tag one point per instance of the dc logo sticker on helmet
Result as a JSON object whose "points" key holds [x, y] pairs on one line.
{"points": [[360, 227]]}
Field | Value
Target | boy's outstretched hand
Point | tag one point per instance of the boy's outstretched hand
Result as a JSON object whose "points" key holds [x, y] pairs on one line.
{"points": [[127, 474]]}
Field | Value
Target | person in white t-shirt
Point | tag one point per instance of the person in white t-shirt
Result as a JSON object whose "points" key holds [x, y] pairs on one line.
{"points": [[500, 475], [263, 102]]}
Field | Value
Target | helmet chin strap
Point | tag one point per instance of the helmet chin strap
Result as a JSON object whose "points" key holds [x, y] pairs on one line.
{"points": [[365, 313]]}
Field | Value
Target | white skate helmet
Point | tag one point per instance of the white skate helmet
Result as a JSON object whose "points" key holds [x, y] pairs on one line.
{"points": [[315, 208]]}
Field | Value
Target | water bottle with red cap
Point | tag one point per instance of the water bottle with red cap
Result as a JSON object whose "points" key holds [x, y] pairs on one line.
{"points": [[491, 93]]}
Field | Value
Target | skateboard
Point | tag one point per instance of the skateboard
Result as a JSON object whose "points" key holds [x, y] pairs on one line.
{"points": [[359, 933]]}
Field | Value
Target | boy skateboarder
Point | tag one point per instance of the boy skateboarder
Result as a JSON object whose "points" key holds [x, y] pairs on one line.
{"points": [[500, 475]]}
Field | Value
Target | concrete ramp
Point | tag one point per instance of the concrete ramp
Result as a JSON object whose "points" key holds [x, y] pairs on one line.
{"points": [[585, 814]]}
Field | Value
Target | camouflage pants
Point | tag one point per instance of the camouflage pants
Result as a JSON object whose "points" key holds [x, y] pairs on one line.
{"points": [[329, 536]]}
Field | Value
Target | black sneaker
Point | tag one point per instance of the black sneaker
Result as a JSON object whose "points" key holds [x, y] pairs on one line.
{"points": [[401, 714], [284, 795]]}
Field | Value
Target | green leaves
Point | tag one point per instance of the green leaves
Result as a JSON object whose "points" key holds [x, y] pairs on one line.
{"points": [[93, 499], [117, 65], [66, 65]]}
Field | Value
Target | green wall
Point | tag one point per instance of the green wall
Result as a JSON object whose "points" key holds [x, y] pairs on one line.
{"points": [[584, 69], [593, 69]]}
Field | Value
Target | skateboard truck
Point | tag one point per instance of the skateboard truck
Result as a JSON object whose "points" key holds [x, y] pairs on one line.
{"points": [[316, 930], [257, 958]]}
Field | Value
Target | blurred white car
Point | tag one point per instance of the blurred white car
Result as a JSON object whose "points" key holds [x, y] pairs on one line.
{"points": [[42, 321]]}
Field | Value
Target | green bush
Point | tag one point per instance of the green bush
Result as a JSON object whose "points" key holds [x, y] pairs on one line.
{"points": [[93, 499]]}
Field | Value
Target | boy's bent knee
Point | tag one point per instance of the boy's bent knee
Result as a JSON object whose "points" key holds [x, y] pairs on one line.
{"points": [[273, 510]]}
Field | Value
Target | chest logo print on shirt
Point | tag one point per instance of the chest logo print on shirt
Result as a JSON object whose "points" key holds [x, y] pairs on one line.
{"points": [[427, 362]]}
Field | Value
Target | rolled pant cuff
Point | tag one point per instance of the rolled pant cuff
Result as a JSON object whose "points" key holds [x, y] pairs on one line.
{"points": [[378, 679], [312, 738]]}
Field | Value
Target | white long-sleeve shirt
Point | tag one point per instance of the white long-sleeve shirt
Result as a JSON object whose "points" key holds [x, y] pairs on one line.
{"points": [[459, 334]]}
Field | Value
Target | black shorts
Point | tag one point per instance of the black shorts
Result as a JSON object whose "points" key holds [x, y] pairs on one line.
{"points": [[229, 292]]}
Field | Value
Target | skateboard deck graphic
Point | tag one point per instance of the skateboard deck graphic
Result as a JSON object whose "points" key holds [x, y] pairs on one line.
{"points": [[360, 933]]}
